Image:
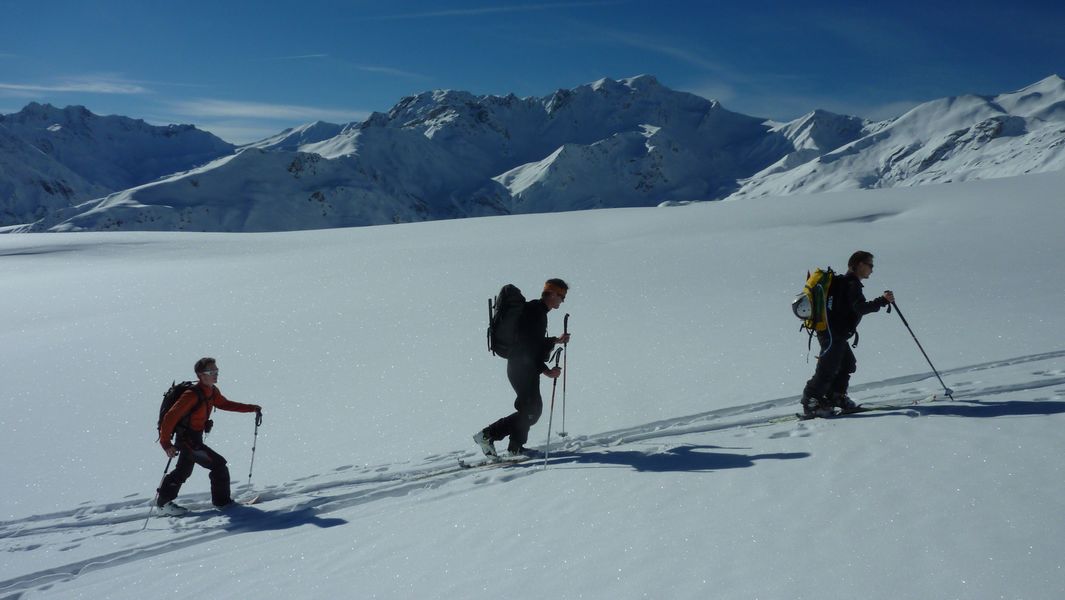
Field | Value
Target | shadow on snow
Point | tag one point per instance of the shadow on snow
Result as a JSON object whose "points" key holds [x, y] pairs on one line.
{"points": [[687, 458], [250, 518], [978, 409]]}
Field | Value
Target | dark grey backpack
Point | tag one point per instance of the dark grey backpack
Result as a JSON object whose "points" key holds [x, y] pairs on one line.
{"points": [[503, 315]]}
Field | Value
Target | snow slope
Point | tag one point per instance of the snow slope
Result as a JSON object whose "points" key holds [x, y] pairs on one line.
{"points": [[295, 138], [33, 184], [946, 140], [679, 477], [51, 158]]}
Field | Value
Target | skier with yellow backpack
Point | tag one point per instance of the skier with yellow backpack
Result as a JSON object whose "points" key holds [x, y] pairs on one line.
{"points": [[831, 307]]}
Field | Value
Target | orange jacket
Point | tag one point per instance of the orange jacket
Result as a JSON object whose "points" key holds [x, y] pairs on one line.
{"points": [[198, 418]]}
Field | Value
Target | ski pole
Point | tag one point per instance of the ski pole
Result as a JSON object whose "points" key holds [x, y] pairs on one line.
{"points": [[165, 469], [949, 392], [551, 416], [565, 357], [254, 442]]}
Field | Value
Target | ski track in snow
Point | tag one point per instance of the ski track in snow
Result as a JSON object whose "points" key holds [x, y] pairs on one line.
{"points": [[309, 500]]}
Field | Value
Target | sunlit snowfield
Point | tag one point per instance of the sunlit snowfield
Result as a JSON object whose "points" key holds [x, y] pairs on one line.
{"points": [[679, 479]]}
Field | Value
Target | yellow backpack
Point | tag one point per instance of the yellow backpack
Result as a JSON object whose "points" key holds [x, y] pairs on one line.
{"points": [[811, 305]]}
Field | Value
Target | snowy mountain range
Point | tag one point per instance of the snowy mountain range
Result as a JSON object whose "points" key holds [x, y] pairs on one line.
{"points": [[952, 139], [53, 158], [450, 154]]}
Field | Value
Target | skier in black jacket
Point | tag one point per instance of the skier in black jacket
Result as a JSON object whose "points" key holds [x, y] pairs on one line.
{"points": [[835, 364], [524, 367]]}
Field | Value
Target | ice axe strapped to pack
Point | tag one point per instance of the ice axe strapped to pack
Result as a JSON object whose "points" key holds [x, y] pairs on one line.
{"points": [[812, 304]]}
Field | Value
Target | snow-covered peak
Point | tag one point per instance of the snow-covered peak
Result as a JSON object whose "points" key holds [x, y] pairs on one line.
{"points": [[85, 155], [627, 142], [297, 137], [1053, 84], [1042, 100], [642, 87], [79, 120], [37, 112], [642, 83], [944, 140], [429, 105], [822, 130]]}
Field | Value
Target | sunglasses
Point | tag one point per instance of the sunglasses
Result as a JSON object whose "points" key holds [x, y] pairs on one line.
{"points": [[212, 372]]}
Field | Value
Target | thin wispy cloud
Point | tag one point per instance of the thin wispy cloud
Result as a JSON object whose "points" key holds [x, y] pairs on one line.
{"points": [[378, 69], [301, 57], [390, 71], [490, 10], [657, 46], [886, 37], [680, 54], [212, 109], [85, 86]]}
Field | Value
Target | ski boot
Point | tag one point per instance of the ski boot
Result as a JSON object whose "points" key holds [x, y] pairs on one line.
{"points": [[486, 444], [816, 407]]}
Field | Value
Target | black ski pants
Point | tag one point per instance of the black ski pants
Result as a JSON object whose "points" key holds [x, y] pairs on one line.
{"points": [[834, 368], [191, 452], [524, 376]]}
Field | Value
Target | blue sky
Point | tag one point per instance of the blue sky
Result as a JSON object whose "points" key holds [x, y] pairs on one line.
{"points": [[245, 70]]}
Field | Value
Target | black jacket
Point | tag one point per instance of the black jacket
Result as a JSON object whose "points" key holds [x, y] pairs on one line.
{"points": [[847, 305], [531, 342]]}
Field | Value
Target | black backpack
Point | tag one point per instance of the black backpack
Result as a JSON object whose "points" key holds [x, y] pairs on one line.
{"points": [[171, 396], [503, 316]]}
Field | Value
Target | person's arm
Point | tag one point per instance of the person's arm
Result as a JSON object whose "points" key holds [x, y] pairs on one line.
{"points": [[177, 412], [222, 403]]}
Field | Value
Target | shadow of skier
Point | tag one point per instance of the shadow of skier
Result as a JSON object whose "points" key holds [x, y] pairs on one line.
{"points": [[687, 458], [976, 409], [249, 518]]}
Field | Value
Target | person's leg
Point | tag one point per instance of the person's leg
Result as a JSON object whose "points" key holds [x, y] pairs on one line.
{"points": [[172, 481], [840, 383], [216, 463], [829, 363], [525, 378], [194, 452]]}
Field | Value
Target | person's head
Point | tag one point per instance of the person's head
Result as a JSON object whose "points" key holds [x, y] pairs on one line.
{"points": [[554, 293], [861, 264], [207, 370]]}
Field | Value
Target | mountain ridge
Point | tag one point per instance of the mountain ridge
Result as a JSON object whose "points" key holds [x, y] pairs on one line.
{"points": [[445, 154]]}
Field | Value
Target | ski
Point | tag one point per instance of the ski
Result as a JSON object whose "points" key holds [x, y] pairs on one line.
{"points": [[495, 462], [861, 408]]}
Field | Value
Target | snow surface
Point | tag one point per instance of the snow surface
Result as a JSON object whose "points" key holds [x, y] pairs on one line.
{"points": [[366, 348]]}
